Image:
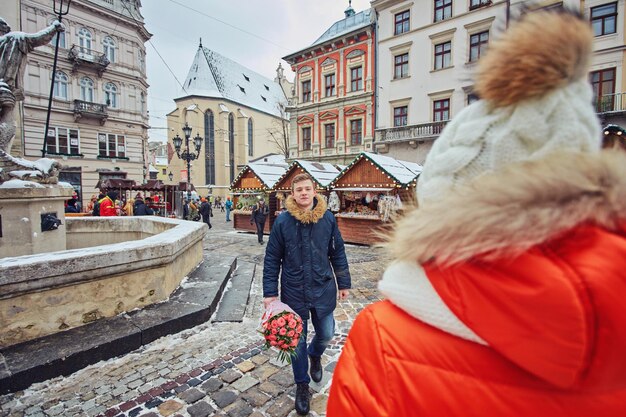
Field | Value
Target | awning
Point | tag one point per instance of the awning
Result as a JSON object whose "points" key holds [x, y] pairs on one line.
{"points": [[360, 189]]}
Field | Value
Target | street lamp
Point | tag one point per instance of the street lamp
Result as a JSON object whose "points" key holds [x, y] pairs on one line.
{"points": [[170, 176], [187, 155]]}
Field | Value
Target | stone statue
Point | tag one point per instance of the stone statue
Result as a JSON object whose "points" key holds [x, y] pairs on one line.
{"points": [[14, 46]]}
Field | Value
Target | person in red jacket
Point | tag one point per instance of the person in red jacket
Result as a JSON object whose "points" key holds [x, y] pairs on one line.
{"points": [[107, 204], [506, 294]]}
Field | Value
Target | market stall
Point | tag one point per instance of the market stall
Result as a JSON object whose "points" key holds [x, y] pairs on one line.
{"points": [[369, 192], [255, 181], [322, 174]]}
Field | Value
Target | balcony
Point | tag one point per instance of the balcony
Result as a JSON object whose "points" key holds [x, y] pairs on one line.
{"points": [[611, 103], [90, 110], [87, 58], [420, 132]]}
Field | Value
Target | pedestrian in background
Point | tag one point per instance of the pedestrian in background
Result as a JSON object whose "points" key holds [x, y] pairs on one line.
{"points": [[228, 205], [107, 205], [506, 294], [142, 208], [258, 217], [305, 247], [206, 211], [71, 206]]}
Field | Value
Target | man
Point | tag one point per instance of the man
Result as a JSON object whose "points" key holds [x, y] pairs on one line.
{"points": [[107, 205], [228, 205], [206, 212], [142, 208], [259, 215], [306, 244]]}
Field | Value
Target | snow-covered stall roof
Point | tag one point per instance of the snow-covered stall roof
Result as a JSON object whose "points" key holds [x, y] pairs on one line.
{"points": [[214, 75], [402, 171], [268, 173], [323, 172]]}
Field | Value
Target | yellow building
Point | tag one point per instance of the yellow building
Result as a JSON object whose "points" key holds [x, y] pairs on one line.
{"points": [[238, 114]]}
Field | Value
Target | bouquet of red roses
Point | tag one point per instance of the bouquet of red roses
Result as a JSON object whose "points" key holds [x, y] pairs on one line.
{"points": [[282, 328]]}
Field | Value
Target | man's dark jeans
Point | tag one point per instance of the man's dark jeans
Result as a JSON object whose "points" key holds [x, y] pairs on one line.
{"points": [[324, 332], [259, 230]]}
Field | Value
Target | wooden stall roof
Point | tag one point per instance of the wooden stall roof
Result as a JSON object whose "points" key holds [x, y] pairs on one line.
{"points": [[321, 172], [377, 172], [116, 184], [258, 176]]}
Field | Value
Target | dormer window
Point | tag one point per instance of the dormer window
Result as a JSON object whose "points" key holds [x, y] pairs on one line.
{"points": [[246, 77], [266, 87], [243, 90], [264, 99]]}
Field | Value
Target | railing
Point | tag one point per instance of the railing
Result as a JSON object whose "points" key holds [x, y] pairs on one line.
{"points": [[84, 56], [422, 130], [90, 109], [611, 103]]}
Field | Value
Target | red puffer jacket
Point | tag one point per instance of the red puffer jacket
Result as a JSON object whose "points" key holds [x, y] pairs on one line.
{"points": [[546, 302]]}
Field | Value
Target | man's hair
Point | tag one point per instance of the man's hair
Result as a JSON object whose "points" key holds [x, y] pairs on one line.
{"points": [[299, 178]]}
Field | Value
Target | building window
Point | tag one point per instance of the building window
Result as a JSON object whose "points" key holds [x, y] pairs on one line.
{"points": [[110, 95], [400, 116], [478, 45], [443, 55], [250, 138], [441, 110], [401, 22], [142, 60], [84, 40], [61, 35], [472, 98], [329, 135], [401, 66], [306, 138], [329, 82], [306, 91], [603, 19], [443, 9], [603, 84], [142, 103], [111, 145], [61, 140], [60, 85], [231, 145], [209, 148], [475, 4], [356, 132], [86, 89], [356, 77], [108, 46]]}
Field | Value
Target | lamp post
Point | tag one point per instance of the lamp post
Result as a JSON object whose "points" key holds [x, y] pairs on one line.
{"points": [[187, 155]]}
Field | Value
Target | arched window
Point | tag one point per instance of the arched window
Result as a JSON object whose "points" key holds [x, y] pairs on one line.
{"points": [[108, 47], [231, 146], [84, 40], [110, 95], [250, 138], [209, 147], [86, 89], [61, 36], [60, 85]]}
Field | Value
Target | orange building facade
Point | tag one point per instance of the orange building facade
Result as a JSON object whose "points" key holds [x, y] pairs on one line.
{"points": [[333, 104]]}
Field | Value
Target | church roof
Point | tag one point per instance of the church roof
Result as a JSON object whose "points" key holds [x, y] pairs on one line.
{"points": [[215, 76]]}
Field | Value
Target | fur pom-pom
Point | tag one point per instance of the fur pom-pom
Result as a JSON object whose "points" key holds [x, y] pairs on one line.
{"points": [[538, 54]]}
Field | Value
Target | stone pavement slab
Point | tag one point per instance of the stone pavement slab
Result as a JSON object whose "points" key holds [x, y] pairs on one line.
{"points": [[235, 299]]}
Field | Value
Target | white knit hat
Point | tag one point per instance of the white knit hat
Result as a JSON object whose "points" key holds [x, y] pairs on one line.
{"points": [[523, 113]]}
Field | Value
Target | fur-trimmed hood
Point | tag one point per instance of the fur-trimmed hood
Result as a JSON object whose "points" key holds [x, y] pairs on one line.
{"points": [[526, 204], [306, 216]]}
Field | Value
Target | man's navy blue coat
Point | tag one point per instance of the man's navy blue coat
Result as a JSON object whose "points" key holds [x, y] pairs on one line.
{"points": [[307, 247]]}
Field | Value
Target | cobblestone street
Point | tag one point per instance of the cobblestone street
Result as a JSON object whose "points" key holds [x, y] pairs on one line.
{"points": [[214, 369]]}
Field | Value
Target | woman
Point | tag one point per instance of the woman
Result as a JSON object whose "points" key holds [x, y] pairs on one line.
{"points": [[506, 294]]}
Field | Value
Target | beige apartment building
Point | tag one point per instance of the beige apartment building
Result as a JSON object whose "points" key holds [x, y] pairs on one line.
{"points": [[99, 120], [428, 50], [239, 114]]}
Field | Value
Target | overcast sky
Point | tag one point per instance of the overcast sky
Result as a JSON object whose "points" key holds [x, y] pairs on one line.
{"points": [[255, 33]]}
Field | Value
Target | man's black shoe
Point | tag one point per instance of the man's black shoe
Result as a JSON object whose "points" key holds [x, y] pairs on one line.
{"points": [[302, 399], [316, 368]]}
